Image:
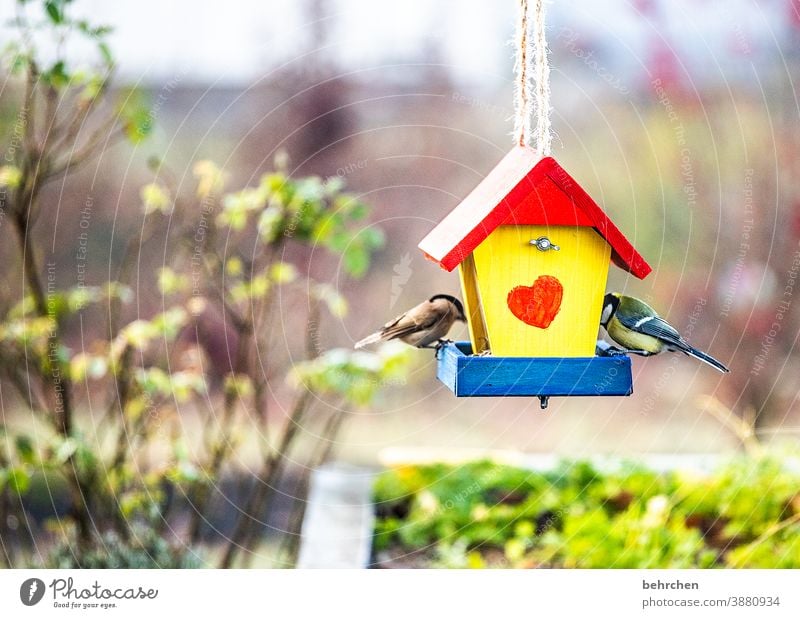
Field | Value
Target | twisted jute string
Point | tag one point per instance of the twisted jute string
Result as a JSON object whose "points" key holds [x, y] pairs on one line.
{"points": [[532, 87]]}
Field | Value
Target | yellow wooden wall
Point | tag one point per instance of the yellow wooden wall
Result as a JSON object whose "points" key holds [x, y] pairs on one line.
{"points": [[472, 305], [506, 260]]}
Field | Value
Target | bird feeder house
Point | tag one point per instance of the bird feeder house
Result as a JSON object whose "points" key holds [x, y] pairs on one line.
{"points": [[533, 251]]}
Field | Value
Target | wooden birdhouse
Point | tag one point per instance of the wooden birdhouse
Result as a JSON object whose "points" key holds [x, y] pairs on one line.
{"points": [[533, 251]]}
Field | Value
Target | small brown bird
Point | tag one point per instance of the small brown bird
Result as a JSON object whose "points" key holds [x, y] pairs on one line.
{"points": [[422, 325]]}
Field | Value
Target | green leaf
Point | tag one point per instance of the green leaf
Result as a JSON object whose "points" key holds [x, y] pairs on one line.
{"points": [[235, 219], [358, 211], [210, 178], [170, 282], [57, 75], [18, 63], [372, 237], [283, 272], [66, 449], [25, 450], [169, 323], [10, 176], [184, 472], [134, 113], [138, 334], [105, 53], [18, 480], [83, 366], [184, 384], [154, 381], [155, 198], [16, 57], [335, 302], [356, 260], [86, 458], [54, 12], [270, 223], [79, 297], [238, 385], [117, 290]]}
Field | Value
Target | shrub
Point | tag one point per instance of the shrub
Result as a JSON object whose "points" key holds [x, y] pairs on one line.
{"points": [[95, 417], [746, 514]]}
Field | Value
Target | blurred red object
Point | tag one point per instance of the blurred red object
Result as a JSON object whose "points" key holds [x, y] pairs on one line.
{"points": [[794, 14]]}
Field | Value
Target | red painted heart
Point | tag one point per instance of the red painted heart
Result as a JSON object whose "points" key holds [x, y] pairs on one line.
{"points": [[537, 305]]}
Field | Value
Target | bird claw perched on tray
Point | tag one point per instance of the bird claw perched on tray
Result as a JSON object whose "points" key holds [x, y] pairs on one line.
{"points": [[605, 349]]}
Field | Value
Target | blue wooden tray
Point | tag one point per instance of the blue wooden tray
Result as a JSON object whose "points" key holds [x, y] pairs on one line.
{"points": [[505, 376]]}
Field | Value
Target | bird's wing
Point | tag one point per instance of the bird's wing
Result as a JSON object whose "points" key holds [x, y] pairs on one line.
{"points": [[393, 322], [420, 317], [654, 327]]}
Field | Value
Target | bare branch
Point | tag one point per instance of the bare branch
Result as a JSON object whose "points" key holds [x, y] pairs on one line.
{"points": [[105, 135]]}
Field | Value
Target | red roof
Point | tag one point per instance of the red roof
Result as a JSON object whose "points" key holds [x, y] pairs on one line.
{"points": [[525, 189]]}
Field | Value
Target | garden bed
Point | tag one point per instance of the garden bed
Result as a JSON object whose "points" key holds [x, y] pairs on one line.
{"points": [[746, 513]]}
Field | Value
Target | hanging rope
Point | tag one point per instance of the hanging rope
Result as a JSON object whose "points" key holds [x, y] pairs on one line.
{"points": [[532, 88], [522, 87]]}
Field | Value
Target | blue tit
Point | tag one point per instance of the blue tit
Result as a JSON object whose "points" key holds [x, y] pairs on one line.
{"points": [[636, 326], [423, 325]]}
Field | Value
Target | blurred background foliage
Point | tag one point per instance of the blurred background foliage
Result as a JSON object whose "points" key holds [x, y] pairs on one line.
{"points": [[485, 514], [184, 229], [100, 393]]}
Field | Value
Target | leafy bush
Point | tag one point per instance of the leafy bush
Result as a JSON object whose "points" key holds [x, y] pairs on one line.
{"points": [[142, 548], [746, 514], [104, 421]]}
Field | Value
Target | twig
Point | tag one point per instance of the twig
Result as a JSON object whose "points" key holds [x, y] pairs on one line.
{"points": [[743, 430], [60, 385], [223, 444], [271, 473], [274, 463], [766, 535], [76, 158], [322, 452], [83, 108], [29, 136]]}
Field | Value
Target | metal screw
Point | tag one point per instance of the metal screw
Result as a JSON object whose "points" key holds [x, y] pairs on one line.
{"points": [[543, 401], [543, 244]]}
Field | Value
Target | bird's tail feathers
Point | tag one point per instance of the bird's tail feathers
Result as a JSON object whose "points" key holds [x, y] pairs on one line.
{"points": [[709, 360], [373, 338]]}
